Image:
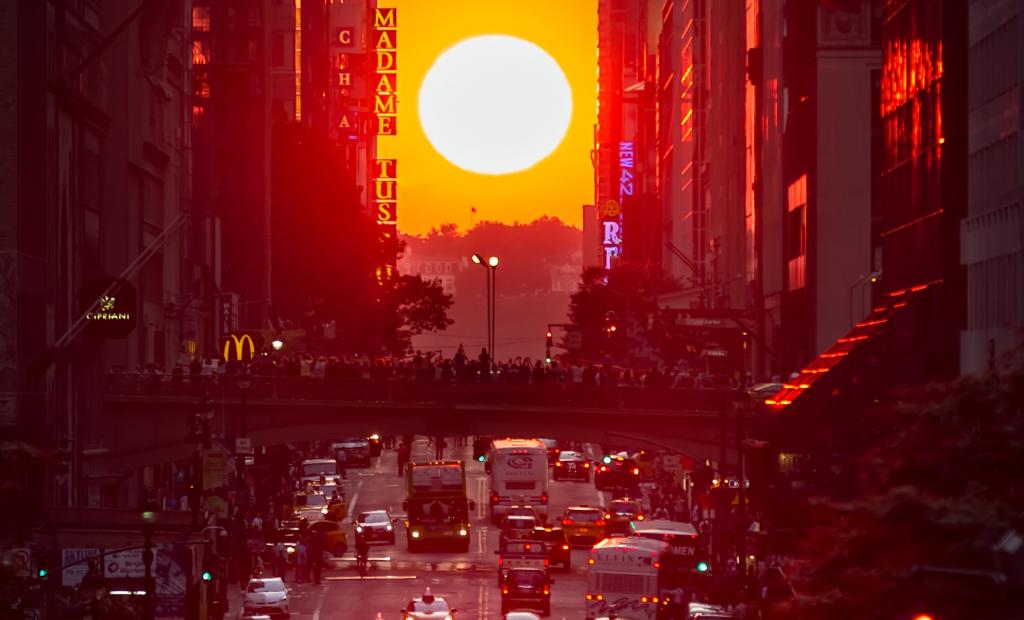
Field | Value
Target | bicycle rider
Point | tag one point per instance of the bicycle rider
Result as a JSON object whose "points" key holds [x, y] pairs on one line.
{"points": [[362, 553]]}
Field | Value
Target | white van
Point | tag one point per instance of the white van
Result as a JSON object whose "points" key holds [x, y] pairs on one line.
{"points": [[519, 476]]}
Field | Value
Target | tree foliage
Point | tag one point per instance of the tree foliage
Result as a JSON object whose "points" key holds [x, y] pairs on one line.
{"points": [[627, 297], [939, 486], [327, 252]]}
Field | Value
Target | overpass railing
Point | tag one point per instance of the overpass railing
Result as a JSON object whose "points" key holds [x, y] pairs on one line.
{"points": [[410, 391]]}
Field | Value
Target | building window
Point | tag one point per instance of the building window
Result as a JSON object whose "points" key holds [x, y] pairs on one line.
{"points": [[200, 53], [277, 49], [198, 116], [796, 234], [201, 19]]}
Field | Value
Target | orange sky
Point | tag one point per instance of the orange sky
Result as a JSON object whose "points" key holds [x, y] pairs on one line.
{"points": [[431, 191]]}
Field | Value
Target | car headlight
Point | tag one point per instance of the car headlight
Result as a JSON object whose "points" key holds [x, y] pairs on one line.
{"points": [[323, 510], [359, 529], [415, 534], [389, 528], [463, 532], [291, 549]]}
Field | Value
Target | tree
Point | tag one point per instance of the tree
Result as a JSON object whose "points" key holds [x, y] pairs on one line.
{"points": [[418, 306], [614, 310], [937, 486]]}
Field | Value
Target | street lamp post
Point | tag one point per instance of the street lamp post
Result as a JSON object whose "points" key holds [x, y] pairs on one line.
{"points": [[244, 383], [492, 262], [491, 268]]}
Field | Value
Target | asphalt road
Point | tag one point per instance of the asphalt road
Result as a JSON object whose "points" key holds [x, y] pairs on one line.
{"points": [[467, 580]]}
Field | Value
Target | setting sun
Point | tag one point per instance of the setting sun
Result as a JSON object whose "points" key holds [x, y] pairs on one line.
{"points": [[514, 114]]}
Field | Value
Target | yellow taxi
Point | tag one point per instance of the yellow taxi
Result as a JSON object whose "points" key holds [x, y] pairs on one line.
{"points": [[583, 523], [620, 512]]}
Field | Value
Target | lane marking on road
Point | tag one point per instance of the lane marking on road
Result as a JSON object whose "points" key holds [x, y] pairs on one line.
{"points": [[372, 578], [480, 601], [319, 603], [355, 498], [487, 603]]}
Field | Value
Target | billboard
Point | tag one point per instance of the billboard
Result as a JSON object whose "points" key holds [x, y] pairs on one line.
{"points": [[385, 45]]}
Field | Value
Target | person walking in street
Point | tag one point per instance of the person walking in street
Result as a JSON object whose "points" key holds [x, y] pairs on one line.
{"points": [[439, 445], [301, 563], [281, 561], [403, 458]]}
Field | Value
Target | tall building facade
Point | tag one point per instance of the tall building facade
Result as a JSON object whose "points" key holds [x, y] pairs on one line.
{"points": [[923, 181], [96, 155], [992, 234]]}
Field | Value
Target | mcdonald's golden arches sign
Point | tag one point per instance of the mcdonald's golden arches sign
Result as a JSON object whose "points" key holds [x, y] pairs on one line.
{"points": [[241, 347]]}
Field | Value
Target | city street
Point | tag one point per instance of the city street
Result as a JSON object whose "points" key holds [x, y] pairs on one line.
{"points": [[466, 580]]}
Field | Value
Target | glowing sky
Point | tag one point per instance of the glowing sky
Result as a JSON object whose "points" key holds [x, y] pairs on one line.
{"points": [[432, 191]]}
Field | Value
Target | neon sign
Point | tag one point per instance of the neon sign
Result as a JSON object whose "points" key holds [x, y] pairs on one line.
{"points": [[385, 43], [385, 190]]}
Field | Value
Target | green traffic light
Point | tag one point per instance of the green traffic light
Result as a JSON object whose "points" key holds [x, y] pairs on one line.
{"points": [[481, 458], [207, 575], [42, 572], [702, 567], [607, 459]]}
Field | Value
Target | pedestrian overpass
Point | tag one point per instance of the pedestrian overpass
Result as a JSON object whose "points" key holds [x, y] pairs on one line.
{"points": [[146, 419]]}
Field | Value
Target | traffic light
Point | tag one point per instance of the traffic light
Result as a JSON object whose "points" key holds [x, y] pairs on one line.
{"points": [[703, 567], [207, 575], [547, 356], [42, 572], [549, 340]]}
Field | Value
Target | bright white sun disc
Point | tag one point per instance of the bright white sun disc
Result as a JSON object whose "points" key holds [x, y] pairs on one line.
{"points": [[495, 104]]}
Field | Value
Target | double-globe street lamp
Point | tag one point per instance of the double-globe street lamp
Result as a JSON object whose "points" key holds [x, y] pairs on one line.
{"points": [[491, 267]]}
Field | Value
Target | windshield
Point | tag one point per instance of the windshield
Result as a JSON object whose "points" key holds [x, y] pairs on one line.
{"points": [[373, 517], [624, 508], [327, 468], [421, 607], [526, 578], [269, 585], [522, 523], [516, 546], [438, 511], [310, 500], [587, 516]]}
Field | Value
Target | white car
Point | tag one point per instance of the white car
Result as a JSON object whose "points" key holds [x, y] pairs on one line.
{"points": [[428, 607], [266, 596], [520, 615]]}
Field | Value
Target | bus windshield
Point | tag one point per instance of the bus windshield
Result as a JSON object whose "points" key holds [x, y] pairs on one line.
{"points": [[438, 511]]}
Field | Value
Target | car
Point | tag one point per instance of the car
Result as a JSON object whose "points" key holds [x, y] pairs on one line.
{"points": [[376, 444], [571, 466], [288, 536], [375, 526], [310, 506], [266, 595], [528, 588], [524, 511], [517, 527], [619, 514], [552, 446], [559, 551], [761, 392], [428, 607], [520, 615], [583, 524], [335, 540], [323, 471], [521, 554], [617, 471]]}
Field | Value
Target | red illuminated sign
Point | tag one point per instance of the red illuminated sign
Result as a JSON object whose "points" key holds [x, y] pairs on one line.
{"points": [[385, 44], [385, 190]]}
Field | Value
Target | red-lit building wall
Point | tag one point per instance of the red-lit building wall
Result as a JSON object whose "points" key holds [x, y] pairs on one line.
{"points": [[922, 180]]}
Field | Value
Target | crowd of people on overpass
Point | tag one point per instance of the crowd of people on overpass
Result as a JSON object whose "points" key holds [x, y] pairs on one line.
{"points": [[434, 366]]}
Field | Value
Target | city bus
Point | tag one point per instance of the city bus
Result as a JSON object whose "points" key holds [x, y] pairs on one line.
{"points": [[519, 476], [436, 505], [685, 552], [625, 575]]}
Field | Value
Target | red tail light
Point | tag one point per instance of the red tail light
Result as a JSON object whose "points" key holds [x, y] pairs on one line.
{"points": [[545, 561], [504, 590], [599, 523], [547, 590], [586, 465], [566, 521], [558, 464], [544, 498], [494, 498], [500, 561]]}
